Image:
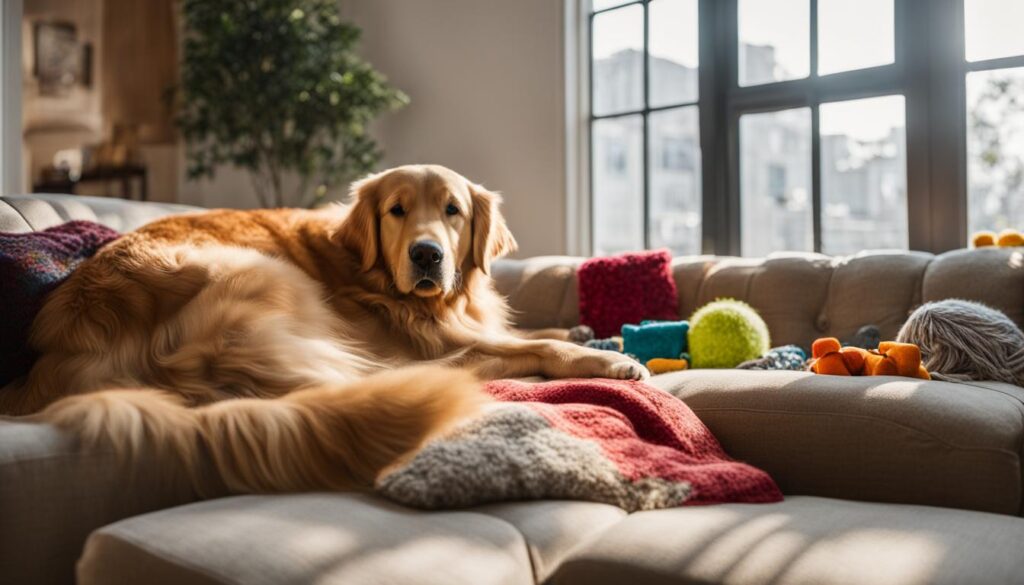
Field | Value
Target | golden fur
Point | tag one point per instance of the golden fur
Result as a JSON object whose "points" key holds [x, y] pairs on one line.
{"points": [[308, 310]]}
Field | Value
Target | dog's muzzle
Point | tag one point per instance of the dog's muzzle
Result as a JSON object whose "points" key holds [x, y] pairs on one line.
{"points": [[426, 257]]}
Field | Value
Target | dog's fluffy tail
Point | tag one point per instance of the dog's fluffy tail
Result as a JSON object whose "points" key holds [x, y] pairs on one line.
{"points": [[337, 438]]}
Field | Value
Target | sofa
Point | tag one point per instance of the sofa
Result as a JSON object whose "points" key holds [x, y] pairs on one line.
{"points": [[887, 480]]}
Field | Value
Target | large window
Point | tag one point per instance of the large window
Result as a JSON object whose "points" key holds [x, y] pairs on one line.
{"points": [[808, 125], [645, 140], [994, 50]]}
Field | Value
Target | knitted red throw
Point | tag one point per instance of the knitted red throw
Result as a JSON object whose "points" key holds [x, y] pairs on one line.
{"points": [[628, 288], [616, 442]]}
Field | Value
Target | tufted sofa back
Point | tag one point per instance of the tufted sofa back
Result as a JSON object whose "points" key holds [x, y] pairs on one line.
{"points": [[26, 213], [801, 296]]}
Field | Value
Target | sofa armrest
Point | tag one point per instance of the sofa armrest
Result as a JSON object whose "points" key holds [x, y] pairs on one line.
{"points": [[54, 494]]}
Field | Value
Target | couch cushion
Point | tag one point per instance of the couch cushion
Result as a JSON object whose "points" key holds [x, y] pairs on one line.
{"points": [[554, 529], [883, 439], [803, 540], [52, 495], [542, 291], [338, 538], [791, 312], [857, 297], [25, 213], [993, 276]]}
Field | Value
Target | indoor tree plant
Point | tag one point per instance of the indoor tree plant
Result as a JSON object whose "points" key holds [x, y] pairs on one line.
{"points": [[275, 87]]}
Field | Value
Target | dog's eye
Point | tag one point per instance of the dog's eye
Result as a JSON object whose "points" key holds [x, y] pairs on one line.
{"points": [[397, 210], [451, 209]]}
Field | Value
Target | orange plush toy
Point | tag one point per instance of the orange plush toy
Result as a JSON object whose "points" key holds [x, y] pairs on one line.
{"points": [[891, 359], [1007, 238]]}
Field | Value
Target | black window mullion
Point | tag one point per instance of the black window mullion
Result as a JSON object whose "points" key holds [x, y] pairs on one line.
{"points": [[590, 133], [814, 100], [997, 63], [816, 207], [716, 43], [914, 23], [948, 117], [617, 6]]}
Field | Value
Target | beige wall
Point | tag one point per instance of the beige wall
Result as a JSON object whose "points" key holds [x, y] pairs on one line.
{"points": [[487, 88]]}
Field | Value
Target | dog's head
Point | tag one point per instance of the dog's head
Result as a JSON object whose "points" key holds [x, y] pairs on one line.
{"points": [[424, 224]]}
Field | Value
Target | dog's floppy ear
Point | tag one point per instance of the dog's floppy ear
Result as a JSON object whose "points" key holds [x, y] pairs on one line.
{"points": [[491, 237], [359, 230]]}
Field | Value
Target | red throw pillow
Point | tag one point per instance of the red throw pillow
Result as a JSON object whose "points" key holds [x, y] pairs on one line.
{"points": [[627, 288]]}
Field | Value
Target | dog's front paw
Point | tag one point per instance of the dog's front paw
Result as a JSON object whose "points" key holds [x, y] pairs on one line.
{"points": [[627, 369]]}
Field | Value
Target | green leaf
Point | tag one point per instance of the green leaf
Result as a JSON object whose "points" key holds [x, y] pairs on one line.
{"points": [[275, 86]]}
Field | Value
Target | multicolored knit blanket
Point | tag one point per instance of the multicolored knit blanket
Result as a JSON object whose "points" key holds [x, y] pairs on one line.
{"points": [[616, 442], [31, 265]]}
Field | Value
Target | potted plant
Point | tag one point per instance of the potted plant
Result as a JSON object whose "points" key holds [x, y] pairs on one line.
{"points": [[275, 87]]}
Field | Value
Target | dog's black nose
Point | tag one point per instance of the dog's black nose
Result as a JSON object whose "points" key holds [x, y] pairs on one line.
{"points": [[426, 254]]}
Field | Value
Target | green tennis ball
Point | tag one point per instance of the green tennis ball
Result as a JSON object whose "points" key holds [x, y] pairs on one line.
{"points": [[725, 333]]}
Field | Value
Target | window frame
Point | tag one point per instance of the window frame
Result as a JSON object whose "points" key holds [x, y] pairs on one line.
{"points": [[929, 70], [10, 97], [644, 112]]}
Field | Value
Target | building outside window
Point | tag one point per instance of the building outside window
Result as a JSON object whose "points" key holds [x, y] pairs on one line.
{"points": [[813, 101]]}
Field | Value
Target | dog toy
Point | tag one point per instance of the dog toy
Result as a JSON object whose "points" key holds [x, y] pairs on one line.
{"points": [[963, 340], [665, 365], [1004, 239], [726, 333], [786, 357], [891, 359], [581, 334], [655, 339], [867, 337], [609, 344]]}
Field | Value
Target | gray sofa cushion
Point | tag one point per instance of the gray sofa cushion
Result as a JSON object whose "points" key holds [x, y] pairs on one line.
{"points": [[340, 538], [803, 541], [25, 213], [53, 494], [884, 439]]}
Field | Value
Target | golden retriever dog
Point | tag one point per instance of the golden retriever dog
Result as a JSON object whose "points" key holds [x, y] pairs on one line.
{"points": [[281, 344]]}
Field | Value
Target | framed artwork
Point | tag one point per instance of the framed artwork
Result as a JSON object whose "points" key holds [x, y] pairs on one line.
{"points": [[60, 61]]}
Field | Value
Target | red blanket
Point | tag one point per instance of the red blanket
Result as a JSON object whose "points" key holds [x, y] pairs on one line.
{"points": [[616, 442]]}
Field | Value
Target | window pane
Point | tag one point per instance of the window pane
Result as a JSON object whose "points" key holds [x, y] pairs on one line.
{"points": [[673, 45], [618, 45], [775, 182], [596, 5], [993, 28], [863, 175], [854, 34], [995, 149], [618, 202], [774, 40], [675, 191]]}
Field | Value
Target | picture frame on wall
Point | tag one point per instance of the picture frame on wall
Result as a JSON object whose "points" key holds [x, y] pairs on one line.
{"points": [[60, 61]]}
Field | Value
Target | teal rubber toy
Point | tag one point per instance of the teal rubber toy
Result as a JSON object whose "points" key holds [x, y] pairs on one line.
{"points": [[655, 339]]}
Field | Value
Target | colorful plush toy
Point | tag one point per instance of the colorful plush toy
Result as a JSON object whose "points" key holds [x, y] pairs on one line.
{"points": [[867, 337], [609, 344], [726, 333], [581, 334], [786, 357], [655, 339], [1004, 239], [891, 359], [664, 365]]}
